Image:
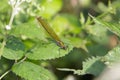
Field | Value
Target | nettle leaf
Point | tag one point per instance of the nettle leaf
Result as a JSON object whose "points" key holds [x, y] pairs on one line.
{"points": [[90, 66], [50, 50], [30, 71], [114, 27], [112, 56], [98, 33], [28, 30], [14, 48], [93, 66]]}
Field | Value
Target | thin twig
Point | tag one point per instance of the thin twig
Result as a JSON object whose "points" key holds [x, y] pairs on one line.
{"points": [[2, 47], [23, 59], [12, 17], [4, 74], [18, 2]]}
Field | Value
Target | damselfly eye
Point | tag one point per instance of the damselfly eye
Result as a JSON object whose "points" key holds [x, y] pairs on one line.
{"points": [[64, 47]]}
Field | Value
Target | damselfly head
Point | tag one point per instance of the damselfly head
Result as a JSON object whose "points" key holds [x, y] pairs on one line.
{"points": [[62, 45], [39, 18]]}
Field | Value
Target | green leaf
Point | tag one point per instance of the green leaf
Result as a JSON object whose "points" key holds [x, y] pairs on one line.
{"points": [[98, 33], [90, 66], [30, 71], [28, 30], [93, 66], [112, 56], [50, 50], [114, 27], [14, 48]]}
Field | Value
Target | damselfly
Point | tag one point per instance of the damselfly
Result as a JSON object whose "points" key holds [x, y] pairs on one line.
{"points": [[52, 33]]}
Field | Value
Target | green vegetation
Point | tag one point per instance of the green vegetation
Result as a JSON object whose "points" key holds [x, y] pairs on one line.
{"points": [[89, 29]]}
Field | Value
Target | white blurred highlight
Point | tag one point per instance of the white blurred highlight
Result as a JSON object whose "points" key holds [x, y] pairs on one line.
{"points": [[7, 27], [70, 77], [12, 2], [17, 10], [111, 73]]}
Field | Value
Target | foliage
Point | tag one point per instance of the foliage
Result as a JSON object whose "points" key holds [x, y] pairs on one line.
{"points": [[112, 56], [25, 68], [90, 66], [29, 53]]}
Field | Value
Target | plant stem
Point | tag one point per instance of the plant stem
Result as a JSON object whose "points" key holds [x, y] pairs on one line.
{"points": [[2, 47], [4, 40], [4, 74], [12, 17], [23, 59], [10, 23]]}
